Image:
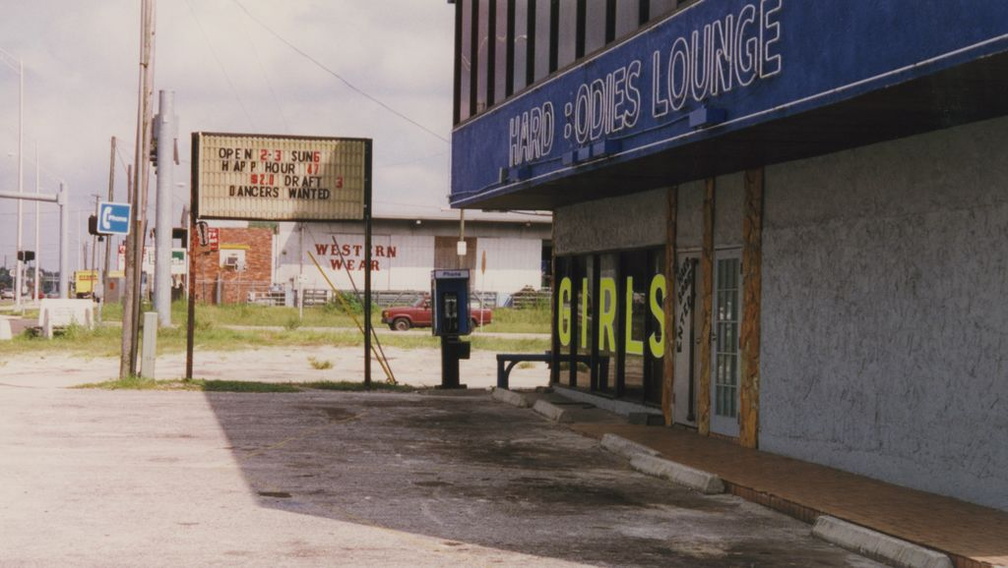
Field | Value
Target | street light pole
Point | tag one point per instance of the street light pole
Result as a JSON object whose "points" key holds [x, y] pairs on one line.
{"points": [[20, 207], [10, 61], [38, 246]]}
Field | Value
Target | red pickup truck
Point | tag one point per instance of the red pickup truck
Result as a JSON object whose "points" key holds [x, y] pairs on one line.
{"points": [[401, 318]]}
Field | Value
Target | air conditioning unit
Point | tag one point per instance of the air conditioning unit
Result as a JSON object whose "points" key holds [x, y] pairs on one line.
{"points": [[232, 262]]}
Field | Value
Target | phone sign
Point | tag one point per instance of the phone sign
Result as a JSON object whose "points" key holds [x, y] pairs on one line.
{"points": [[114, 218]]}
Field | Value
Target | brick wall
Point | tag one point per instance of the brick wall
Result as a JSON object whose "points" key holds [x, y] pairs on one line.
{"points": [[252, 246]]}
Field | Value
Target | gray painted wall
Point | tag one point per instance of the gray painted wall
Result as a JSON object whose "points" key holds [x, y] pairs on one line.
{"points": [[638, 220], [634, 221], [885, 312], [729, 201], [689, 222]]}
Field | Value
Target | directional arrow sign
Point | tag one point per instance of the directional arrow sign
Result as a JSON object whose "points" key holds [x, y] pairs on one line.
{"points": [[114, 218]]}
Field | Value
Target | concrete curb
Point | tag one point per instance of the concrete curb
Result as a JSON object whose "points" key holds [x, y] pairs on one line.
{"points": [[679, 474], [510, 397], [877, 545], [551, 411], [625, 448]]}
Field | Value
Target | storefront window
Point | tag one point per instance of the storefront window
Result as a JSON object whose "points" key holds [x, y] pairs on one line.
{"points": [[628, 14], [661, 8], [567, 33], [501, 88], [519, 74], [654, 328], [543, 20], [635, 280], [595, 27], [484, 53], [464, 60], [584, 287], [610, 323]]}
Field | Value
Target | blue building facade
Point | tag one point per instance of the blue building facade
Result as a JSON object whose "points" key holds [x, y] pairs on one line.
{"points": [[780, 222]]}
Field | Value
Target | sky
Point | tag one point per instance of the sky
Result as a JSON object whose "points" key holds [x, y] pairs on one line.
{"points": [[242, 66]]}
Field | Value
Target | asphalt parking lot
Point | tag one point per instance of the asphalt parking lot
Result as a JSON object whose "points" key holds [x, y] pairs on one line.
{"points": [[99, 478]]}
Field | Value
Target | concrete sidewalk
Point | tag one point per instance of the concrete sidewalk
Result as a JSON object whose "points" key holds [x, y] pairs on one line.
{"points": [[970, 535]]}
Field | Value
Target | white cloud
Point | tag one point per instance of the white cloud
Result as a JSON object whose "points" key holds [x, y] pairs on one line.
{"points": [[228, 74]]}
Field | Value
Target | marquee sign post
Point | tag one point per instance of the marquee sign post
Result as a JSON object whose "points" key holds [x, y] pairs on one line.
{"points": [[281, 178]]}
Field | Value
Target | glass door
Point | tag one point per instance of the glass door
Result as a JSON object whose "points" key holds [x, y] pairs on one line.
{"points": [[725, 353]]}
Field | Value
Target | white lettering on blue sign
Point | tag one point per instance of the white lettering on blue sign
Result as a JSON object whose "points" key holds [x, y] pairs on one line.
{"points": [[604, 106], [735, 48], [113, 218], [531, 135], [723, 55]]}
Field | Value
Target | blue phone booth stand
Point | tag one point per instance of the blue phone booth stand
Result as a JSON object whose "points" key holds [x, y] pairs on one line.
{"points": [[450, 305]]}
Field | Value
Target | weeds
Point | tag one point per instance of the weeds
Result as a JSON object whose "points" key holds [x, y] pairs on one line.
{"points": [[319, 365]]}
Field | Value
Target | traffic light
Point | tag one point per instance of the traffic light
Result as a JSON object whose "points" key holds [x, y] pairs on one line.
{"points": [[92, 227], [26, 255]]}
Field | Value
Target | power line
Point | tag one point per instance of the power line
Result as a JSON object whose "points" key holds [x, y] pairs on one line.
{"points": [[220, 64], [122, 161], [346, 82], [266, 77]]}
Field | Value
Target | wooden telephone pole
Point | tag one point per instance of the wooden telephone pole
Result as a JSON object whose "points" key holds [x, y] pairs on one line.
{"points": [[138, 197]]}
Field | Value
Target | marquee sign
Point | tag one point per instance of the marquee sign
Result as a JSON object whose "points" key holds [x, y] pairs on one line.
{"points": [[279, 178], [713, 68]]}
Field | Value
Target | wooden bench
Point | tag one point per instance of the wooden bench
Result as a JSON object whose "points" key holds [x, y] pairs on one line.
{"points": [[507, 361], [58, 313]]}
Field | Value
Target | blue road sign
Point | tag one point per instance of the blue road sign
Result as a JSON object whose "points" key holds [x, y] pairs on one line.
{"points": [[114, 218]]}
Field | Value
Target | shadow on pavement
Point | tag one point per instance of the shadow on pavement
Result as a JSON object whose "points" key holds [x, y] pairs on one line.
{"points": [[466, 469]]}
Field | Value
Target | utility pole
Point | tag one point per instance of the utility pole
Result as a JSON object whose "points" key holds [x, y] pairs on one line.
{"points": [[108, 238], [135, 240], [166, 131]]}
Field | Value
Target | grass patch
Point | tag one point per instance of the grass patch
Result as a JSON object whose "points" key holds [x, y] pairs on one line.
{"points": [[357, 387], [248, 386], [136, 383], [331, 315], [250, 326], [106, 341], [529, 320]]}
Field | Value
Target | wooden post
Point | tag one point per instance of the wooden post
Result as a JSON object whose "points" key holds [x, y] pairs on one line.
{"points": [[749, 335], [706, 311], [668, 365]]}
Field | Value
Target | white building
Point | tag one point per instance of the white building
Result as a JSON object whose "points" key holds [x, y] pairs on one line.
{"points": [[505, 252]]}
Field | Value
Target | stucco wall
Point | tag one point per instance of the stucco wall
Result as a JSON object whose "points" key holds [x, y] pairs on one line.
{"points": [[689, 222], [885, 320], [634, 221]]}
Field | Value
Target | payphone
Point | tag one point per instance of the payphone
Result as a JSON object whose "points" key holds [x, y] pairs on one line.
{"points": [[450, 302], [450, 320]]}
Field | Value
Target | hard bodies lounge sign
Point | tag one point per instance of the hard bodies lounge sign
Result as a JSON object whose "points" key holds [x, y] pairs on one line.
{"points": [[709, 70]]}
